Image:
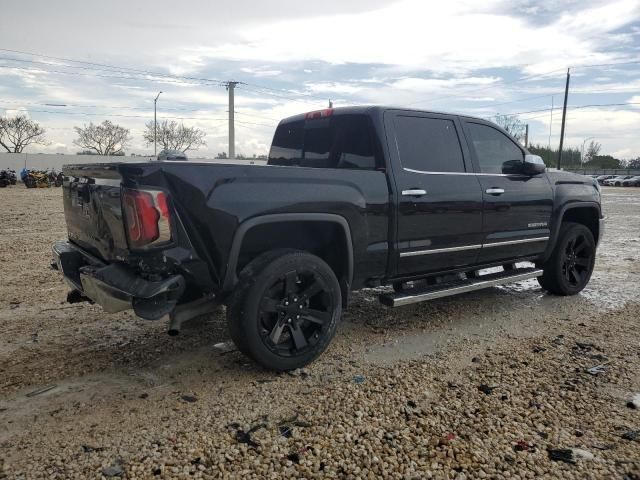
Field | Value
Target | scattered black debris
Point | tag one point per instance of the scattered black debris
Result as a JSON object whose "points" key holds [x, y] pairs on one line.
{"points": [[558, 340], [582, 324], [411, 404], [604, 446], [509, 459], [538, 349], [157, 471], [504, 397], [475, 360], [143, 395], [586, 346], [285, 431], [41, 391], [524, 446], [189, 398], [89, 449], [358, 379], [196, 461], [294, 457], [452, 385], [486, 389], [579, 433], [631, 435], [544, 435], [561, 455], [245, 437]]}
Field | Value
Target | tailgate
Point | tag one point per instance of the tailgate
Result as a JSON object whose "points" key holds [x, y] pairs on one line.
{"points": [[91, 197]]}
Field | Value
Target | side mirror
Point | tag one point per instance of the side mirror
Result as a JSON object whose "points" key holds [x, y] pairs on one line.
{"points": [[533, 165]]}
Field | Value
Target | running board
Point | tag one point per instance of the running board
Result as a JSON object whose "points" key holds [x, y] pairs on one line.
{"points": [[459, 286]]}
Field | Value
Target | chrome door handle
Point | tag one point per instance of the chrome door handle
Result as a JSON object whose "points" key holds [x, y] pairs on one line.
{"points": [[414, 192], [495, 191]]}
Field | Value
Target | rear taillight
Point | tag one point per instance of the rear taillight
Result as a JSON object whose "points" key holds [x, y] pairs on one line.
{"points": [[147, 217]]}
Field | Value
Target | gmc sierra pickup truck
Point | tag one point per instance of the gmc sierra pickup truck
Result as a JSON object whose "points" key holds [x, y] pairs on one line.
{"points": [[350, 198]]}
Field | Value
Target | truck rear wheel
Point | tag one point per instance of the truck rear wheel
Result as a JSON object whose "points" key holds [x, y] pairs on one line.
{"points": [[285, 309], [569, 268]]}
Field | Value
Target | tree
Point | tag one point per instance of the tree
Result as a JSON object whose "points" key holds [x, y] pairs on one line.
{"points": [[513, 125], [20, 131], [174, 136], [592, 151], [104, 139], [222, 155], [635, 164], [604, 161]]}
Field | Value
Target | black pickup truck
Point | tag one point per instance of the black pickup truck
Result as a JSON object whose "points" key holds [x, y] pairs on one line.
{"points": [[350, 198]]}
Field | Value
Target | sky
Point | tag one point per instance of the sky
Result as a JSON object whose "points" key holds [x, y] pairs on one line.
{"points": [[68, 63]]}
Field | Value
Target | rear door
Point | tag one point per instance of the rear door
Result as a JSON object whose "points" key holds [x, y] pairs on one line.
{"points": [[439, 199], [516, 208]]}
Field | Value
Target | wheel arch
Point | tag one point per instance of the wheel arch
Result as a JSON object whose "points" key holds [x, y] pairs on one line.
{"points": [[585, 213], [305, 231]]}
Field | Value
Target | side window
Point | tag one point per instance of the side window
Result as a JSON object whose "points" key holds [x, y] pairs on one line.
{"points": [[354, 142], [496, 152], [428, 144], [286, 147]]}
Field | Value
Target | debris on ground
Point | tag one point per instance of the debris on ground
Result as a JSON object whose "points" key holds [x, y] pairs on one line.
{"points": [[113, 471], [524, 446], [561, 455], [634, 403], [487, 389], [189, 398], [245, 437], [225, 347], [632, 435], [358, 379], [597, 369], [40, 391]]}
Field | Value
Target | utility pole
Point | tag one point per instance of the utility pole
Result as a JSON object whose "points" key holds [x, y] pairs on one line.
{"points": [[231, 85], [155, 126], [330, 104], [550, 123], [564, 117], [526, 136]]}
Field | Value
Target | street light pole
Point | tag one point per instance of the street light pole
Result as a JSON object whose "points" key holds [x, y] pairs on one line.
{"points": [[155, 125]]}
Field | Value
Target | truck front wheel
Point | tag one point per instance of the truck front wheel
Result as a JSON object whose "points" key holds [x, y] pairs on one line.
{"points": [[285, 309], [569, 268]]}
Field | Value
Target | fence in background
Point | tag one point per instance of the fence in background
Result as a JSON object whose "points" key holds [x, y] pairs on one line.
{"points": [[605, 171]]}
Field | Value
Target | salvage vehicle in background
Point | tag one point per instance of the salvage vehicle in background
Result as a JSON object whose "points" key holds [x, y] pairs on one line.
{"points": [[601, 178], [632, 182], [616, 181], [350, 198]]}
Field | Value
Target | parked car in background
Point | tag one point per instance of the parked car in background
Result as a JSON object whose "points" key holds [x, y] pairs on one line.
{"points": [[172, 155], [632, 182], [616, 181], [602, 178]]}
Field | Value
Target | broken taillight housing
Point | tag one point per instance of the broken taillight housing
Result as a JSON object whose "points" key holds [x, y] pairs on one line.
{"points": [[147, 217]]}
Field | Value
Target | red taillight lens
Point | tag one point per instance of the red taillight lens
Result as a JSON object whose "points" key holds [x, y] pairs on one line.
{"points": [[147, 217], [327, 112]]}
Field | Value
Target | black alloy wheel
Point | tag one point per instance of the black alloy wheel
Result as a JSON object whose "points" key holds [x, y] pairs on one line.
{"points": [[569, 268], [295, 312], [285, 309]]}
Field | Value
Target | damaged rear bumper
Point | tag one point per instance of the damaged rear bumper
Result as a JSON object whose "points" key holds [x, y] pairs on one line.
{"points": [[114, 286]]}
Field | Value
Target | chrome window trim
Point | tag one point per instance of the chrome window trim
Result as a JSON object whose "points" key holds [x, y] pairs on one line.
{"points": [[472, 247], [464, 173]]}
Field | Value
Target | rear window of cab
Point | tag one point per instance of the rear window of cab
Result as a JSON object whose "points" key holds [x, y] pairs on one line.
{"points": [[336, 141]]}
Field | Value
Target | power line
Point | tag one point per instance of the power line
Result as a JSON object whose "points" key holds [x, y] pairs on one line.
{"points": [[112, 67]]}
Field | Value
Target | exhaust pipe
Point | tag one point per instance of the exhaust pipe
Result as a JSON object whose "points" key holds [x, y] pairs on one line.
{"points": [[186, 312]]}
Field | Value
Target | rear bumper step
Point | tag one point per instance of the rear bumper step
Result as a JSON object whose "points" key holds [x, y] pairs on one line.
{"points": [[460, 286]]}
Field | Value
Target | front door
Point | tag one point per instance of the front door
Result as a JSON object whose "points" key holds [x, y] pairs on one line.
{"points": [[438, 196], [517, 207]]}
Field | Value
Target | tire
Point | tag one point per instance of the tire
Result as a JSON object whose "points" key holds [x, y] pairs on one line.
{"points": [[570, 266], [285, 309]]}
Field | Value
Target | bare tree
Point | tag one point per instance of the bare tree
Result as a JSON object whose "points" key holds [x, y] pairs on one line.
{"points": [[20, 131], [175, 136], [512, 124], [104, 139], [592, 150]]}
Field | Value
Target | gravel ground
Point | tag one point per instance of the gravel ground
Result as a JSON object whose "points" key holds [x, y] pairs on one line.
{"points": [[490, 384]]}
